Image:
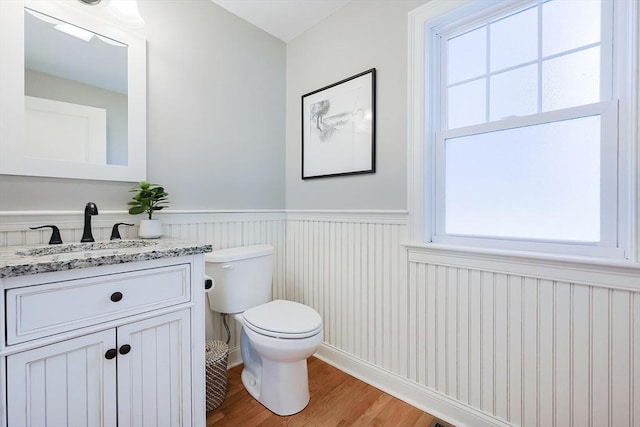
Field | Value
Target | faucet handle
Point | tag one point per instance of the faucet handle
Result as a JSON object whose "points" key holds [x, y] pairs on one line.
{"points": [[55, 234], [115, 233]]}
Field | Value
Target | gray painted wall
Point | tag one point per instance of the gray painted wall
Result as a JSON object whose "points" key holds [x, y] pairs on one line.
{"points": [[216, 112], [215, 118], [365, 34]]}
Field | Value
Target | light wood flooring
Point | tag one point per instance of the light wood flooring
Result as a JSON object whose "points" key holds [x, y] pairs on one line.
{"points": [[337, 399]]}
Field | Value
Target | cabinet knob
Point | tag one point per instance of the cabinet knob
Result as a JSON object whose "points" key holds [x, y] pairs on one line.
{"points": [[116, 296], [111, 353], [126, 348]]}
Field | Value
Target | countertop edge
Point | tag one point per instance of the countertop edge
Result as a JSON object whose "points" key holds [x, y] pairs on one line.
{"points": [[12, 265]]}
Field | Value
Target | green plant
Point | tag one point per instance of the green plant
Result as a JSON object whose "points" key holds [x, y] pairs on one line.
{"points": [[149, 198]]}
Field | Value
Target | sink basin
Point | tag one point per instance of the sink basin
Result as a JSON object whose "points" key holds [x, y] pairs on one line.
{"points": [[85, 247]]}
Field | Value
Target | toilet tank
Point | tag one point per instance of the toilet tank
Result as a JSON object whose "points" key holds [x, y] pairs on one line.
{"points": [[242, 277]]}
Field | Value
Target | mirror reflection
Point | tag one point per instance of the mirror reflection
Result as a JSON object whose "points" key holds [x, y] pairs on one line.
{"points": [[75, 93]]}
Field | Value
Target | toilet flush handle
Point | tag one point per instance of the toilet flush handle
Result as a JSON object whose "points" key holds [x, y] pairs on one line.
{"points": [[227, 266]]}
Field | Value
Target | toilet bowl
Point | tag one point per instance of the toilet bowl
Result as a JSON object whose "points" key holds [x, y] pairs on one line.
{"points": [[277, 336], [275, 355]]}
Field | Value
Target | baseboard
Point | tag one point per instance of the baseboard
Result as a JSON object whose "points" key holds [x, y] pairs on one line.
{"points": [[437, 404]]}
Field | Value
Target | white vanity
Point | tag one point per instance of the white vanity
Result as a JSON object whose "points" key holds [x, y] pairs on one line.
{"points": [[112, 336]]}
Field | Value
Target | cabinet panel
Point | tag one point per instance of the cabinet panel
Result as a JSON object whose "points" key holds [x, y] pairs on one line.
{"points": [[67, 383], [38, 311], [154, 377]]}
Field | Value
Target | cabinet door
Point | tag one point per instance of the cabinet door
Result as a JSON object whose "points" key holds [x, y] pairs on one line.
{"points": [[154, 374], [69, 383]]}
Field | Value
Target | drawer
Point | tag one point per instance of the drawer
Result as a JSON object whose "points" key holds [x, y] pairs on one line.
{"points": [[42, 310]]}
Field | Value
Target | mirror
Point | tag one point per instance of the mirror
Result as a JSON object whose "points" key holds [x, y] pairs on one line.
{"points": [[81, 112], [75, 84]]}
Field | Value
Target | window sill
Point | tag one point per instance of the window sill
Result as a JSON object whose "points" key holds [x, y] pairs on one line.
{"points": [[618, 274]]}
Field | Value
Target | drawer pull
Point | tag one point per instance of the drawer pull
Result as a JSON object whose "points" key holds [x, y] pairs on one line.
{"points": [[125, 349], [111, 353], [116, 296]]}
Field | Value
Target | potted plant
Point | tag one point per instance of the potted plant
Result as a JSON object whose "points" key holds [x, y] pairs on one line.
{"points": [[148, 198]]}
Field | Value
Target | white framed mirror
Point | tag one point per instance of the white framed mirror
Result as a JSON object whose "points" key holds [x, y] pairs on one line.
{"points": [[71, 106]]}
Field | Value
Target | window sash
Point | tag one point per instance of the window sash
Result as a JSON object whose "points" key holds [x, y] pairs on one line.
{"points": [[481, 18], [608, 112]]}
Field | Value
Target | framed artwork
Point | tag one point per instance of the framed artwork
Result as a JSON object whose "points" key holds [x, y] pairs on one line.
{"points": [[338, 128]]}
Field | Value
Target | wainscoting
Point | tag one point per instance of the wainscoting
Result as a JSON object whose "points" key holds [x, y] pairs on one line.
{"points": [[475, 340], [527, 349], [220, 229], [352, 270]]}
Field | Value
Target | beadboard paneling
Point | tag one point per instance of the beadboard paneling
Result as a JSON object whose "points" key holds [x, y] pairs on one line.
{"points": [[220, 229], [473, 339], [352, 273], [527, 350], [231, 229], [522, 349], [14, 226]]}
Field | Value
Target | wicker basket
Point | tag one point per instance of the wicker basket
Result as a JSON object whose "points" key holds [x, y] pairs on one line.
{"points": [[216, 353]]}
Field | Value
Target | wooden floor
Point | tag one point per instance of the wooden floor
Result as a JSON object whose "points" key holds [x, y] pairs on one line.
{"points": [[337, 399]]}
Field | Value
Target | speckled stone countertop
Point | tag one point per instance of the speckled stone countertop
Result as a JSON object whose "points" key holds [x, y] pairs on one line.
{"points": [[24, 260]]}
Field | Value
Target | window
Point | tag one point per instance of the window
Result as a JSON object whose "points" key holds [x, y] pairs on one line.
{"points": [[523, 143]]}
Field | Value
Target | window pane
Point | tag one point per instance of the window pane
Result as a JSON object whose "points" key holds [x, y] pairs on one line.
{"points": [[571, 80], [467, 55], [537, 182], [569, 24], [467, 104], [514, 40], [514, 93]]}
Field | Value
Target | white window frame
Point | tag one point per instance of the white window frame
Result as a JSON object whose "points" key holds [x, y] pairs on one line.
{"points": [[424, 116]]}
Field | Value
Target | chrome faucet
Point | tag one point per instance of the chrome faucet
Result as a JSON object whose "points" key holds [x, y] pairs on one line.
{"points": [[89, 210]]}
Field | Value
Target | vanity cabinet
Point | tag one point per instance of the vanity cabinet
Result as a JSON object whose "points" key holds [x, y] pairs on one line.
{"points": [[96, 380], [66, 383], [106, 346]]}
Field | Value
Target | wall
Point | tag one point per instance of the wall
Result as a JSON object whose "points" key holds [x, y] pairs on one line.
{"points": [[216, 107], [362, 35], [215, 114], [476, 340]]}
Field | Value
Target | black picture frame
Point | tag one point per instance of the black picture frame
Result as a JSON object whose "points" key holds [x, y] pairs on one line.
{"points": [[339, 128]]}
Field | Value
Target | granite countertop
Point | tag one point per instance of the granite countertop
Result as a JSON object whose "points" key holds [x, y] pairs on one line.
{"points": [[24, 260]]}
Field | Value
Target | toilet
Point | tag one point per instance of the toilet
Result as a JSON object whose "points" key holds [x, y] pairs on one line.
{"points": [[277, 336]]}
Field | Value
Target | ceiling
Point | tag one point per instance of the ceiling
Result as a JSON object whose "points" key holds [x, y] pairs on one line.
{"points": [[284, 19]]}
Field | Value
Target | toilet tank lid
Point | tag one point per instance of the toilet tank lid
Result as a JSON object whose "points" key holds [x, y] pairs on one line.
{"points": [[235, 254]]}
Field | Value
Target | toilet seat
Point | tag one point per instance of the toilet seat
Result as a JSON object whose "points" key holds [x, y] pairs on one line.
{"points": [[283, 319]]}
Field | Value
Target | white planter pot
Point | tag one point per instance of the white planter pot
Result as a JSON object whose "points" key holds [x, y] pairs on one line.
{"points": [[150, 229]]}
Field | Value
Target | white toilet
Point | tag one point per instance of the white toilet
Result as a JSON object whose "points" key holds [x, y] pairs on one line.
{"points": [[277, 336]]}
